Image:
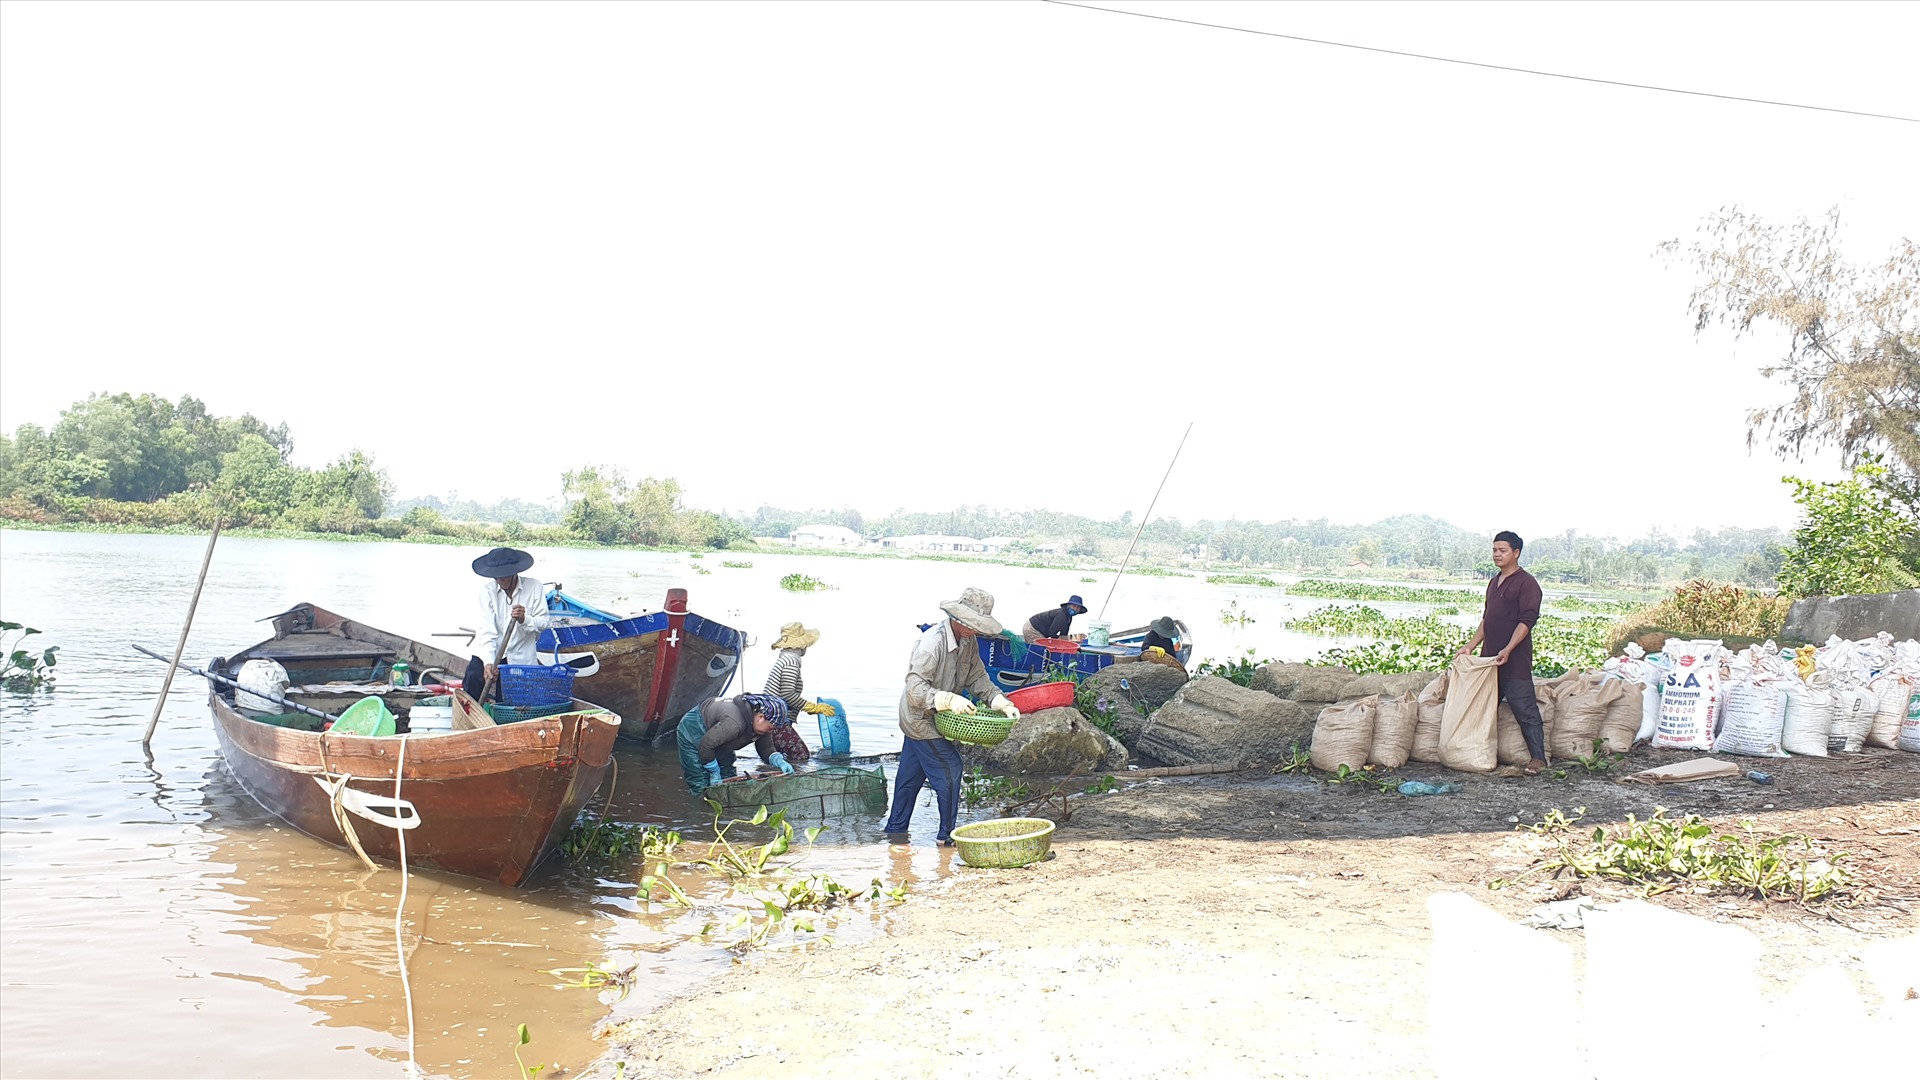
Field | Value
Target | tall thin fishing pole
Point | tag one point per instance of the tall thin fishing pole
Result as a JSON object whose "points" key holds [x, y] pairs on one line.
{"points": [[1144, 518], [146, 741]]}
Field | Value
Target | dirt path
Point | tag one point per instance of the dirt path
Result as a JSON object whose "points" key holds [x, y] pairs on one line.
{"points": [[1254, 925]]}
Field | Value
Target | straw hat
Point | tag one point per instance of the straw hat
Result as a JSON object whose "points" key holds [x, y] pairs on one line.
{"points": [[974, 610], [795, 636], [503, 562]]}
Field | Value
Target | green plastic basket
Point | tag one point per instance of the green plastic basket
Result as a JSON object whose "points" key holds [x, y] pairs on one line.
{"points": [[982, 728], [1004, 842]]}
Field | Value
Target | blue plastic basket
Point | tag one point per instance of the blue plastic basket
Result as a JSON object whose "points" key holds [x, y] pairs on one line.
{"points": [[535, 685]]}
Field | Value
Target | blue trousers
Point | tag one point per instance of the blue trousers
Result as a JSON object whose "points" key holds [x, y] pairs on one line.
{"points": [[923, 762], [687, 737]]}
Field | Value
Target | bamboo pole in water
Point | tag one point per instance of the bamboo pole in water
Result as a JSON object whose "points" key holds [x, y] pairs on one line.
{"points": [[146, 741]]}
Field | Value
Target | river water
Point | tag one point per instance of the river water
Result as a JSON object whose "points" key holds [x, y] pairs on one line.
{"points": [[155, 921]]}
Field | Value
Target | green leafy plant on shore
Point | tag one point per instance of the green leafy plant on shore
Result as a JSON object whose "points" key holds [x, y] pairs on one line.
{"points": [[1238, 670], [527, 1072], [802, 583], [1660, 854], [1298, 759], [1366, 775], [980, 788], [25, 671], [1702, 608]]}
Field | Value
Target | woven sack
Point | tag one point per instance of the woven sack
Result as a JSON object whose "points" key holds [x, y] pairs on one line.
{"points": [[1426, 733], [1752, 715], [1809, 719], [1510, 746], [1467, 740], [1622, 726], [1581, 713], [1909, 739], [1394, 723], [1893, 693], [1343, 735], [1853, 709], [1690, 700]]}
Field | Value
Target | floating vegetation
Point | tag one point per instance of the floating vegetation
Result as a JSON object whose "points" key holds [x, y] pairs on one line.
{"points": [[594, 977], [1242, 579], [978, 788], [1233, 615], [25, 672], [802, 583], [1090, 579], [1363, 590], [598, 840], [731, 565]]}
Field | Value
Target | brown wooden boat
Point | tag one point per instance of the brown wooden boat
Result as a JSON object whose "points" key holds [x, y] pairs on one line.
{"points": [[485, 799]]}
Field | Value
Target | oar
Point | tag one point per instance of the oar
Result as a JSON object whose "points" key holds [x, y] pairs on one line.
{"points": [[275, 698], [146, 741], [499, 657]]}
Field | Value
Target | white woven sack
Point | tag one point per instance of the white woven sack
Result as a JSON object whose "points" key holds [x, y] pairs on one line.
{"points": [[1809, 719], [1909, 739], [1752, 715], [1853, 709], [1690, 700], [1649, 712]]}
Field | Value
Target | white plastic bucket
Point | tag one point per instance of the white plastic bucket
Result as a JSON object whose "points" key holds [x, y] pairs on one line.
{"points": [[1097, 632], [424, 719]]}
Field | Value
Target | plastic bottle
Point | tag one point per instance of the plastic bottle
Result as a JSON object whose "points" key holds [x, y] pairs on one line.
{"points": [[400, 674]]}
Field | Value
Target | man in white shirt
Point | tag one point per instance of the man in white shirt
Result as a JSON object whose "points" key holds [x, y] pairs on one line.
{"points": [[511, 603]]}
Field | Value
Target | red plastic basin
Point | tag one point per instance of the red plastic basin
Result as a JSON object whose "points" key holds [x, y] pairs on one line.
{"points": [[1059, 645], [1051, 695]]}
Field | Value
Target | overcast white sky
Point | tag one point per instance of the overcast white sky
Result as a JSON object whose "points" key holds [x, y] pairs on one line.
{"points": [[921, 255]]}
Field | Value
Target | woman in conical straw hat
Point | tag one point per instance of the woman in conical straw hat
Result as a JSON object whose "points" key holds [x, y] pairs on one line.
{"points": [[784, 682]]}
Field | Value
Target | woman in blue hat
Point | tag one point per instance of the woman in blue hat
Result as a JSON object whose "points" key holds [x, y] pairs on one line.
{"points": [[1053, 622]]}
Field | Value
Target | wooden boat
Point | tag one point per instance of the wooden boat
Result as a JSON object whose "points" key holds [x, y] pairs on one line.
{"points": [[653, 667], [486, 799]]}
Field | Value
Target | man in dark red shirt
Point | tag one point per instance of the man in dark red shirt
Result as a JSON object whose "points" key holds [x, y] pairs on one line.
{"points": [[1506, 632]]}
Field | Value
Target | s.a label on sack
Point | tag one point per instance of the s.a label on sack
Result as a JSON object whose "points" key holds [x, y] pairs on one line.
{"points": [[1691, 698]]}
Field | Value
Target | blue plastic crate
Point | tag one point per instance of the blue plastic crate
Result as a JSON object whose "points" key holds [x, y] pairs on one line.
{"points": [[524, 685]]}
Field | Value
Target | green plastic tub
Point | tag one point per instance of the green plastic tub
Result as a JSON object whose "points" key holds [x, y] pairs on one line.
{"points": [[1004, 842]]}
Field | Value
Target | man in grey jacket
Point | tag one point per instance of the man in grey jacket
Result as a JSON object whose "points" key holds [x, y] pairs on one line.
{"points": [[945, 664]]}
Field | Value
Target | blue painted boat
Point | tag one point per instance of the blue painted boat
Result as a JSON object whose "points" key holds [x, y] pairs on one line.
{"points": [[1040, 664], [653, 667]]}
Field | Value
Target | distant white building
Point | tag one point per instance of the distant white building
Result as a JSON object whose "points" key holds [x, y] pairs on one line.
{"points": [[930, 543], [832, 536], [1049, 549], [994, 544]]}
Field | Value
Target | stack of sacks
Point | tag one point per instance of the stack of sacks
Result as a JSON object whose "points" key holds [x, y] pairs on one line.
{"points": [[1634, 666], [1690, 697], [1840, 663], [1754, 702]]}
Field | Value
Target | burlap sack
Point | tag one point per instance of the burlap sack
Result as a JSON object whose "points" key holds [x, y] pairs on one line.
{"points": [[1343, 735], [1625, 716], [1511, 744], [1581, 712], [1393, 727], [1426, 734], [1466, 722]]}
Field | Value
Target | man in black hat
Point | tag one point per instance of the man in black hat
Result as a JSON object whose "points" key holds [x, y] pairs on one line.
{"points": [[1053, 622], [511, 604]]}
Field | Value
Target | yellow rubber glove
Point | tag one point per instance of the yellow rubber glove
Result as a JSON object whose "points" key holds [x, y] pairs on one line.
{"points": [[953, 703], [817, 708]]}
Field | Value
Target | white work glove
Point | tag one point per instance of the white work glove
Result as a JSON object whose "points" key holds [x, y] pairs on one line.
{"points": [[949, 702], [1004, 706]]}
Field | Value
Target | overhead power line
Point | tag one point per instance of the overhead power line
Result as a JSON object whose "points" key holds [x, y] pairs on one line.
{"points": [[1480, 64]]}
